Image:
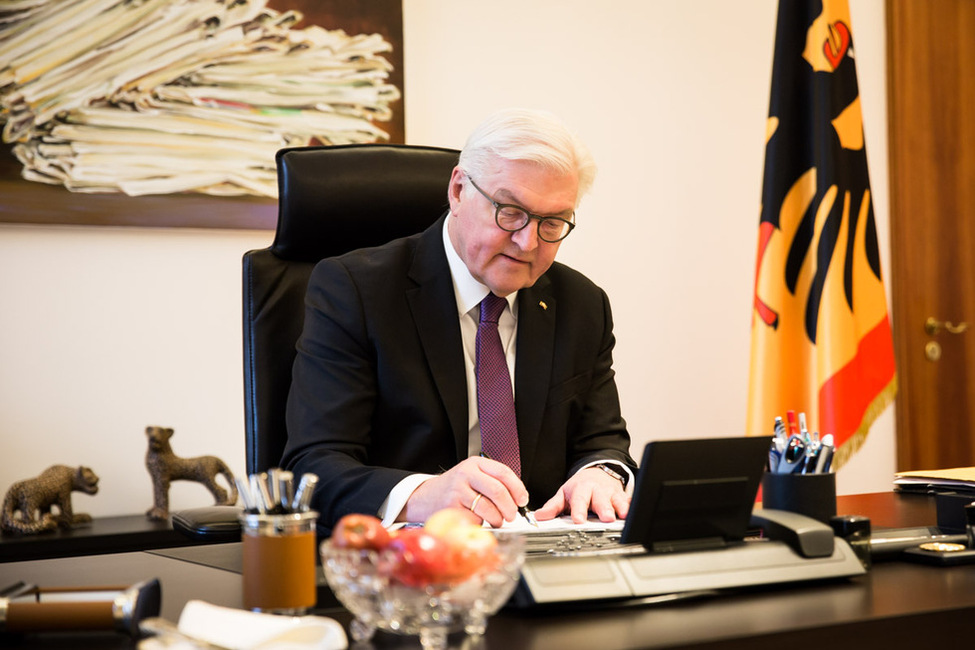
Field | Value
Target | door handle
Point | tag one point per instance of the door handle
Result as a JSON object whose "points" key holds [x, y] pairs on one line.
{"points": [[932, 326]]}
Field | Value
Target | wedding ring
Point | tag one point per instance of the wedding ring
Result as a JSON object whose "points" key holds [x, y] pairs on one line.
{"points": [[474, 502]]}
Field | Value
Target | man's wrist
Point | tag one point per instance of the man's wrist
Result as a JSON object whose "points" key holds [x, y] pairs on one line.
{"points": [[612, 471]]}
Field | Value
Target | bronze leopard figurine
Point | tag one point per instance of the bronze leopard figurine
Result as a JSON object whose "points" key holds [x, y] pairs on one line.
{"points": [[165, 466], [33, 499]]}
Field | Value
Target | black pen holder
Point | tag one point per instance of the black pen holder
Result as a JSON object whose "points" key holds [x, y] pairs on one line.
{"points": [[813, 495]]}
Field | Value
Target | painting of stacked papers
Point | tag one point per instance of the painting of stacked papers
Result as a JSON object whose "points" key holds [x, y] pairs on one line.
{"points": [[163, 96]]}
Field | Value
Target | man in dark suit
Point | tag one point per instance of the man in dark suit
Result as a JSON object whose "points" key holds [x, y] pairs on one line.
{"points": [[383, 405]]}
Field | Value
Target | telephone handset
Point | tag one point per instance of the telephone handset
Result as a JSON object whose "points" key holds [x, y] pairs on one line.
{"points": [[807, 536]]}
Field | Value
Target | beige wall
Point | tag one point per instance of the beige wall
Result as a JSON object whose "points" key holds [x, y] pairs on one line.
{"points": [[103, 331]]}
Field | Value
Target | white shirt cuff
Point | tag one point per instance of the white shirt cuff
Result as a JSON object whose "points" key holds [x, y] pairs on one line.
{"points": [[398, 496]]}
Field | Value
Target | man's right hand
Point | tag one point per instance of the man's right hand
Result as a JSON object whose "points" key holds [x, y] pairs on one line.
{"points": [[500, 488]]}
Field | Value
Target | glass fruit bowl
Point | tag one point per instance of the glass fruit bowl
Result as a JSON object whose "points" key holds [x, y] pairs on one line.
{"points": [[366, 583]]}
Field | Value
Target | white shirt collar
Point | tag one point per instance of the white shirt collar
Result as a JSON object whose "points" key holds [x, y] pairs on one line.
{"points": [[467, 290]]}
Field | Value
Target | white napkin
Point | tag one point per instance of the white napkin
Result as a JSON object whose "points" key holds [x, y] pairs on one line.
{"points": [[242, 630]]}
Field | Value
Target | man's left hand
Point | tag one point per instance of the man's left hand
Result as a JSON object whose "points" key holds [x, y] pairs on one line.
{"points": [[590, 489]]}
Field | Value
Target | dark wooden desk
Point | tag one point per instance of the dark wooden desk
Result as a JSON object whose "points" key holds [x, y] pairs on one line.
{"points": [[896, 605]]}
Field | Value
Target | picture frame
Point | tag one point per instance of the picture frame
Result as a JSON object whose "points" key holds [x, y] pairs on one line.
{"points": [[28, 202]]}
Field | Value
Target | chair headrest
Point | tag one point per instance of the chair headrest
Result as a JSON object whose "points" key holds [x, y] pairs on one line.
{"points": [[332, 199]]}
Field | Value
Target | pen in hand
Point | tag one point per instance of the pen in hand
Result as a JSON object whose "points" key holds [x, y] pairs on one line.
{"points": [[528, 515], [522, 510]]}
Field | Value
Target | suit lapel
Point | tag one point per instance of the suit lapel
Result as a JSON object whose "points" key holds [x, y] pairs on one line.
{"points": [[434, 311], [533, 368]]}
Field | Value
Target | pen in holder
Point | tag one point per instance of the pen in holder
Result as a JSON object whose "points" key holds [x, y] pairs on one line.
{"points": [[279, 562], [813, 495], [278, 534]]}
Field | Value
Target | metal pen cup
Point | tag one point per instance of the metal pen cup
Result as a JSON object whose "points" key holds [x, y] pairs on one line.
{"points": [[813, 495], [279, 562]]}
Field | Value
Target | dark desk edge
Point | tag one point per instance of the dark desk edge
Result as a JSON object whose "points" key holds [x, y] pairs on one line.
{"points": [[103, 535]]}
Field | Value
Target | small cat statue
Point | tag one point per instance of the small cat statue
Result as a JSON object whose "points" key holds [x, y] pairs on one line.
{"points": [[33, 498], [165, 466]]}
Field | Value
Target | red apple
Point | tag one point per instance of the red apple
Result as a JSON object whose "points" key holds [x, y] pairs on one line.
{"points": [[419, 558], [442, 522], [360, 531], [471, 547]]}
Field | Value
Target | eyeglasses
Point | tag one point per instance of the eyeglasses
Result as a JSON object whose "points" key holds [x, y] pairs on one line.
{"points": [[513, 218]]}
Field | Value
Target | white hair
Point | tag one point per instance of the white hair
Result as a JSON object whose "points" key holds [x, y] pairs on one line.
{"points": [[528, 135]]}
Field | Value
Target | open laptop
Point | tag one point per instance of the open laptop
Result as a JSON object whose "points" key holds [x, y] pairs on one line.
{"points": [[685, 533]]}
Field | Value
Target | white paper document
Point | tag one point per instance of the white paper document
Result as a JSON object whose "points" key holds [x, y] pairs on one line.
{"points": [[560, 524]]}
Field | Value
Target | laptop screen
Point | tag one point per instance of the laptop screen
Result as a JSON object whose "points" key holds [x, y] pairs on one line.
{"points": [[695, 494]]}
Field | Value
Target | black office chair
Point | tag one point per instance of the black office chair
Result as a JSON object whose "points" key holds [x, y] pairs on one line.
{"points": [[330, 200]]}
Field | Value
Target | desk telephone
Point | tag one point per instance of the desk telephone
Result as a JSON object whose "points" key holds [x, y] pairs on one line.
{"points": [[792, 548]]}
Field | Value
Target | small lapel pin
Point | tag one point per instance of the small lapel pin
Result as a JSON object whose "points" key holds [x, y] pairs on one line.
{"points": [[541, 303]]}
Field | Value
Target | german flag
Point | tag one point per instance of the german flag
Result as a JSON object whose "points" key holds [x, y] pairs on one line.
{"points": [[821, 339]]}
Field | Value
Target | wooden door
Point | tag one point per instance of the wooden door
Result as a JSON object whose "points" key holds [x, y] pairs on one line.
{"points": [[931, 94]]}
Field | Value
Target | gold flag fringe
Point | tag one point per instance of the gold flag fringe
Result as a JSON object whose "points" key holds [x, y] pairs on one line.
{"points": [[877, 406]]}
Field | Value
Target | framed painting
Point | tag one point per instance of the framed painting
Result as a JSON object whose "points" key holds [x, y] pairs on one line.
{"points": [[140, 203]]}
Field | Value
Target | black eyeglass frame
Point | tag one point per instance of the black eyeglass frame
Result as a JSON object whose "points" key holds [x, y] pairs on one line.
{"points": [[497, 212]]}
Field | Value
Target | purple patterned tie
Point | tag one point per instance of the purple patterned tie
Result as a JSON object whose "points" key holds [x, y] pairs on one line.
{"points": [[495, 401]]}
